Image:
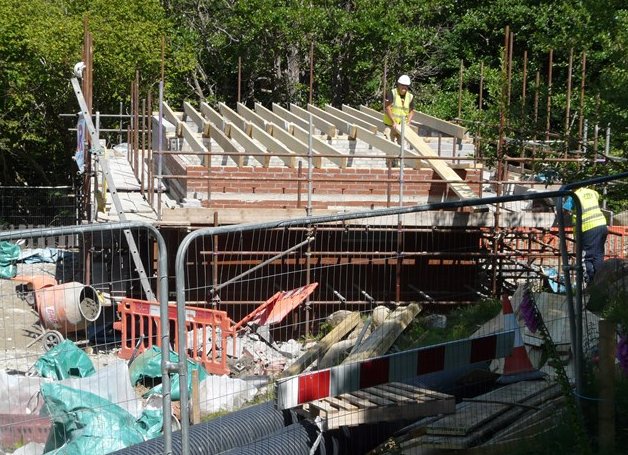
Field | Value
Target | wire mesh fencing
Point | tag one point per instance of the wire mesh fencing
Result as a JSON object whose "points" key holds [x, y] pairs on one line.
{"points": [[63, 384], [362, 328], [438, 327]]}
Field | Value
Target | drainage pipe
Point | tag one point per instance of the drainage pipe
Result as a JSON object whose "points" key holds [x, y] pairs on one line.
{"points": [[222, 433]]}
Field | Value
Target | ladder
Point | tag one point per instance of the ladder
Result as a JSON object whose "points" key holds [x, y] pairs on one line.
{"points": [[98, 153]]}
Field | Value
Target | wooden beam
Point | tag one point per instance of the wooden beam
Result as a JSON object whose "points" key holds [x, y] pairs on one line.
{"points": [[366, 117], [192, 138], [197, 118], [450, 129], [195, 143], [290, 117], [322, 124], [273, 145], [173, 118], [203, 216], [227, 146], [455, 182], [252, 117], [234, 118], [384, 336], [271, 117], [392, 149], [316, 351], [350, 118], [214, 117], [250, 146], [321, 147], [342, 125], [296, 145], [372, 112]]}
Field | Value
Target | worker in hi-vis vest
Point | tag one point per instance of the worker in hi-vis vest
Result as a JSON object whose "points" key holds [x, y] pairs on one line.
{"points": [[594, 229], [399, 104]]}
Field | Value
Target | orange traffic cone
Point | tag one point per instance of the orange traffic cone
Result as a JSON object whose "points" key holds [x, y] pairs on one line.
{"points": [[517, 366]]}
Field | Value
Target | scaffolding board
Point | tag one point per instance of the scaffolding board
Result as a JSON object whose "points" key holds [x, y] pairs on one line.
{"points": [[393, 401]]}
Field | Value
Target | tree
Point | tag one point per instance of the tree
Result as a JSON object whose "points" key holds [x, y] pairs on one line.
{"points": [[36, 60]]}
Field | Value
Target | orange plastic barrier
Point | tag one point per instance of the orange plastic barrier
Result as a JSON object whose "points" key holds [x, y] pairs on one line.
{"points": [[141, 329], [617, 242]]}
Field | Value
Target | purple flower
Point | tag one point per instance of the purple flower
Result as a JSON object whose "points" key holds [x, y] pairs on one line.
{"points": [[622, 353], [527, 311]]}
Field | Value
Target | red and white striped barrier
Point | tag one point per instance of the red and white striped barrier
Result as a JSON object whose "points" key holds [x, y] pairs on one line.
{"points": [[297, 390]]}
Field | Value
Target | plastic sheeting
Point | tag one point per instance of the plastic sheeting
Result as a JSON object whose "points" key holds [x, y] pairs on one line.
{"points": [[9, 253], [84, 423], [148, 365], [64, 361], [111, 383]]}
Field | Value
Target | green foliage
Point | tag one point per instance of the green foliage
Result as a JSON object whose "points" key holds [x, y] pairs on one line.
{"points": [[462, 322], [591, 389], [36, 61]]}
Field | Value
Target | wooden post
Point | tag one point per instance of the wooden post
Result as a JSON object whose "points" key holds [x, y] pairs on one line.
{"points": [[606, 405], [196, 399]]}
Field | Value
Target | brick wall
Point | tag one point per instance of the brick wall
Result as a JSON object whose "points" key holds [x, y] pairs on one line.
{"points": [[281, 187]]}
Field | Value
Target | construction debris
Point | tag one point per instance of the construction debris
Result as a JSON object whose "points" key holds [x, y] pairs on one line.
{"points": [[488, 420], [384, 336]]}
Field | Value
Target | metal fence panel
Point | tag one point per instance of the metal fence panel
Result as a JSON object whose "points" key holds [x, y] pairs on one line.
{"points": [[63, 383], [391, 264]]}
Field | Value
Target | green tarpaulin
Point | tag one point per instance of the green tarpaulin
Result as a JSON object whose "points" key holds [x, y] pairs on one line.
{"points": [[9, 254], [64, 361]]}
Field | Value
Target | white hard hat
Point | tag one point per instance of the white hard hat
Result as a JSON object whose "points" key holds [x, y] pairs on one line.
{"points": [[404, 80]]}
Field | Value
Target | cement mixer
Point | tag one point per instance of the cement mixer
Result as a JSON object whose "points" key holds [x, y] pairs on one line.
{"points": [[63, 309]]}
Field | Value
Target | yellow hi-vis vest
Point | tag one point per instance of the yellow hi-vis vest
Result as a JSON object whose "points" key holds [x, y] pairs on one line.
{"points": [[400, 107], [592, 216]]}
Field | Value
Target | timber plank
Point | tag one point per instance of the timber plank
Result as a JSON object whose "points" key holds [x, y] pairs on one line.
{"points": [[337, 333], [295, 145], [197, 118], [456, 183], [252, 117], [290, 117], [334, 155], [383, 337], [342, 125], [368, 406], [234, 118], [450, 129], [392, 149], [227, 146], [377, 121], [250, 146], [471, 415], [347, 116], [271, 117], [195, 142], [172, 117], [496, 422], [320, 123], [214, 117]]}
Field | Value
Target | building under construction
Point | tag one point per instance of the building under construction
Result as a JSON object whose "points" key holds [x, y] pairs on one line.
{"points": [[222, 166]]}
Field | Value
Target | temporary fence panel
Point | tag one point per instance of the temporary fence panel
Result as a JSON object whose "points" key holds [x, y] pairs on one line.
{"points": [[387, 280], [61, 376]]}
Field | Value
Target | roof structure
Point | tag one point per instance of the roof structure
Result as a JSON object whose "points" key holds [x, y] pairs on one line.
{"points": [[252, 164]]}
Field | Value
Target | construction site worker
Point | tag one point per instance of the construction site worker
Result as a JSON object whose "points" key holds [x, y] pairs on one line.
{"points": [[399, 104], [594, 229]]}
